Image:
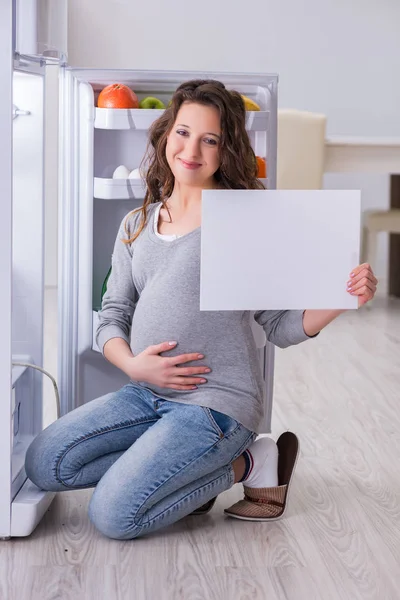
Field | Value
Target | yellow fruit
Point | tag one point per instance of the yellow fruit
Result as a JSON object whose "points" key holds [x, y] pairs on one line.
{"points": [[250, 104]]}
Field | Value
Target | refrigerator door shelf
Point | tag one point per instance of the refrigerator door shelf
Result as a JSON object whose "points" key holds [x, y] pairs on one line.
{"points": [[28, 508], [41, 28], [119, 189], [126, 189], [140, 118]]}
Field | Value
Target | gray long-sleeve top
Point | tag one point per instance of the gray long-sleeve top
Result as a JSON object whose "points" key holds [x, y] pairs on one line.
{"points": [[153, 296]]}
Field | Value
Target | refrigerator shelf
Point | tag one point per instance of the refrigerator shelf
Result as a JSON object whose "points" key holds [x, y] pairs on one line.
{"points": [[141, 118], [125, 189], [125, 118], [118, 189]]}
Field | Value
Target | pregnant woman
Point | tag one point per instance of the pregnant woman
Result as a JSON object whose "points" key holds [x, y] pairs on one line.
{"points": [[183, 429]]}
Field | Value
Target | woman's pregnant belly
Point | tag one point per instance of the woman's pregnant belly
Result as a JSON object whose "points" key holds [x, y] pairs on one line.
{"points": [[224, 337], [178, 318]]}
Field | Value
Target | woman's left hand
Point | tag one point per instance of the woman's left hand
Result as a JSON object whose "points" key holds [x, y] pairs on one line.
{"points": [[362, 283]]}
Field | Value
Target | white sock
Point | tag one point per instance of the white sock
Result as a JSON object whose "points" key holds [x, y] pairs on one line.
{"points": [[263, 455]]}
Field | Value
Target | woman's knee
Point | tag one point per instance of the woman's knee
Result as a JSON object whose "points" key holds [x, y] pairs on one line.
{"points": [[40, 463], [112, 515]]}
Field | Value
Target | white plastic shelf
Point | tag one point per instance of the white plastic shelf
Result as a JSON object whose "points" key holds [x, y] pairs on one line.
{"points": [[141, 118], [126, 189], [118, 189], [125, 118], [28, 508]]}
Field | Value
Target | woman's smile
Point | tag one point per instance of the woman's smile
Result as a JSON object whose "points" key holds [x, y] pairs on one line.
{"points": [[188, 164]]}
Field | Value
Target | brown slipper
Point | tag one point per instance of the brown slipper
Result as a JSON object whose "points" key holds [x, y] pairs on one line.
{"points": [[203, 510], [269, 504]]}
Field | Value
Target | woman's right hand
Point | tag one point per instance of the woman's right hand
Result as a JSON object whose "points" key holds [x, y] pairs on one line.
{"points": [[164, 371]]}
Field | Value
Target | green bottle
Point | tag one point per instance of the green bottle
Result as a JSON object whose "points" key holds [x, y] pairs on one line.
{"points": [[104, 288]]}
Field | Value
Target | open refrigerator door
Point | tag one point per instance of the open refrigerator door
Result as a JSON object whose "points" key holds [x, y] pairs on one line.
{"points": [[28, 502], [93, 201], [29, 42]]}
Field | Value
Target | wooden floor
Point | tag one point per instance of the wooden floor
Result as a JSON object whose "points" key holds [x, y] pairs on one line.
{"points": [[341, 537]]}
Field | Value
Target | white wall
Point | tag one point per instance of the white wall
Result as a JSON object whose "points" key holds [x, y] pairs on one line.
{"points": [[343, 61], [337, 57]]}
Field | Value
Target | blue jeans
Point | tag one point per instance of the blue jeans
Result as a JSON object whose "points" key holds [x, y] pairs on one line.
{"points": [[152, 461]]}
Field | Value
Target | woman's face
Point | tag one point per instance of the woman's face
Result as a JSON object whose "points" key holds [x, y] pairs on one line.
{"points": [[193, 145]]}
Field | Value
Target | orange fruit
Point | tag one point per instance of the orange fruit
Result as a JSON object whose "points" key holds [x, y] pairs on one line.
{"points": [[117, 95], [261, 166]]}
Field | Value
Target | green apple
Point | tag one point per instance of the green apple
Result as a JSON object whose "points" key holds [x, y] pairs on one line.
{"points": [[151, 102]]}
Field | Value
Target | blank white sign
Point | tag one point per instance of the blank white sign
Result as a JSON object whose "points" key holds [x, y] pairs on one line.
{"points": [[278, 249]]}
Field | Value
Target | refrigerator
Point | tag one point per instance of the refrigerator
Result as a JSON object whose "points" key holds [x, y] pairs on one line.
{"points": [[91, 204]]}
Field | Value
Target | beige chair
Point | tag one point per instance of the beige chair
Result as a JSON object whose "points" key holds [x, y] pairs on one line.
{"points": [[374, 223], [300, 165], [300, 150]]}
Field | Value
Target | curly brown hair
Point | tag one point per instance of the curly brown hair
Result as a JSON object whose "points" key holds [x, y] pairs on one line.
{"points": [[238, 165]]}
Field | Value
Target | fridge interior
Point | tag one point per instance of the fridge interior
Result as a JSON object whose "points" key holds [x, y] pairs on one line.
{"points": [[94, 203], [120, 138]]}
